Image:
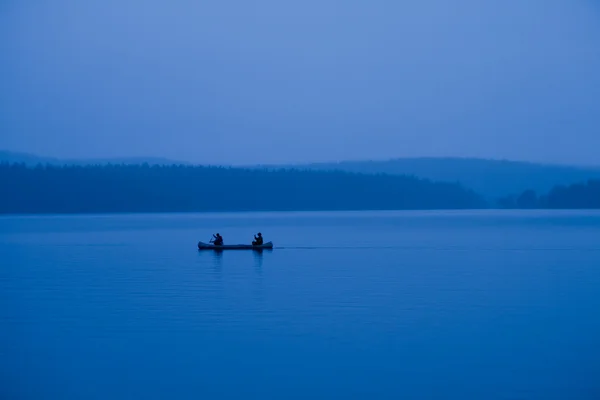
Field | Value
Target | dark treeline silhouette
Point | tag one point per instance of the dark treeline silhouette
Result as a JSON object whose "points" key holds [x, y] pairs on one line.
{"points": [[577, 196], [179, 188]]}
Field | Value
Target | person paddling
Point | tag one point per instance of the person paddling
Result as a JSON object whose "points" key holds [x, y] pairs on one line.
{"points": [[218, 240], [258, 240]]}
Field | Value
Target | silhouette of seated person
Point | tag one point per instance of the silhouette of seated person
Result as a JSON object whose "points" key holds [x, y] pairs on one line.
{"points": [[217, 240], [258, 240]]}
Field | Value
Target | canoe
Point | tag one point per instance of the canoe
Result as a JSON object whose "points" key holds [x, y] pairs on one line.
{"points": [[210, 246]]}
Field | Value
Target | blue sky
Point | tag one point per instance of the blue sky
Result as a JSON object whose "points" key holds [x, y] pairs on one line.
{"points": [[234, 81]]}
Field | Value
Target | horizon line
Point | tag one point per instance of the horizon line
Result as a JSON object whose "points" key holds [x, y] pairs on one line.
{"points": [[108, 159]]}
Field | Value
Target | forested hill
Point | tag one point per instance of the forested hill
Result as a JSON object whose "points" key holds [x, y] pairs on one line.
{"points": [[143, 188], [490, 178], [577, 196]]}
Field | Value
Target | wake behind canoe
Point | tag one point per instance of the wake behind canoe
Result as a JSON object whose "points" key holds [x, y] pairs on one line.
{"points": [[209, 246]]}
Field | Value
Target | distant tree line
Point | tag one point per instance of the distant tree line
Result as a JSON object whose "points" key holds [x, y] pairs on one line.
{"points": [[576, 196], [183, 188]]}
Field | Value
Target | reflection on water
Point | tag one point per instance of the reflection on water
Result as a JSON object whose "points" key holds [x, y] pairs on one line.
{"points": [[258, 260], [217, 261]]}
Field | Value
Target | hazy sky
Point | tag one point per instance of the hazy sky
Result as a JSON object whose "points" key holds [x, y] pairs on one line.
{"points": [[243, 81]]}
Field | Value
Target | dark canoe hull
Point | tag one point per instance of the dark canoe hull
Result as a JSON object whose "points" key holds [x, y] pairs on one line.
{"points": [[209, 246]]}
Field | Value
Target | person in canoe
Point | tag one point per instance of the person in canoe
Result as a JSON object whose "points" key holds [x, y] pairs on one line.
{"points": [[258, 240], [217, 240]]}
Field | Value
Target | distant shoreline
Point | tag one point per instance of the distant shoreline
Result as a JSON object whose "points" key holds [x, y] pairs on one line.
{"points": [[220, 212], [492, 179], [143, 189], [155, 189], [257, 213]]}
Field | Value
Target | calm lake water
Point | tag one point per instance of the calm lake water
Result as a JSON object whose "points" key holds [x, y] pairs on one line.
{"points": [[366, 305]]}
